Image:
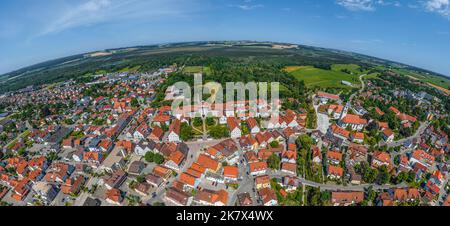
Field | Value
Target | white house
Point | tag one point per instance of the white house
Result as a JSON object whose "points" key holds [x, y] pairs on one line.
{"points": [[174, 131], [233, 126], [253, 126], [388, 135]]}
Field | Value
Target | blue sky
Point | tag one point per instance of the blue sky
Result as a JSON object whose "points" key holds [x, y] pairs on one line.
{"points": [[415, 32]]}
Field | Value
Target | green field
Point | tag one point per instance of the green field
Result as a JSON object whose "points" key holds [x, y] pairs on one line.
{"points": [[372, 76], [197, 69], [432, 79], [435, 80], [351, 67], [128, 69], [315, 77]]}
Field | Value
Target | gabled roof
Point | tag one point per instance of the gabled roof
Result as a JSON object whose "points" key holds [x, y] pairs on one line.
{"points": [[263, 179], [177, 157], [252, 123], [421, 155], [388, 132], [232, 123], [188, 179], [328, 95], [335, 170], [395, 110], [354, 119], [207, 162], [156, 133], [347, 197], [292, 167], [212, 197], [267, 195], [340, 131], [382, 157], [231, 172], [257, 166], [334, 155], [175, 127]]}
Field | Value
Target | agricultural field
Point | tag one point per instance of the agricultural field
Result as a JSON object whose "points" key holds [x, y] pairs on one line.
{"points": [[197, 69], [438, 82], [315, 77], [353, 68], [132, 69]]}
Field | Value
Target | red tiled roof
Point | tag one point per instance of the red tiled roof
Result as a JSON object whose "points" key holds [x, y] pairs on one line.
{"points": [[335, 170], [354, 119], [175, 127], [257, 166], [334, 155], [207, 162], [328, 95], [395, 110], [382, 156], [230, 171], [232, 123]]}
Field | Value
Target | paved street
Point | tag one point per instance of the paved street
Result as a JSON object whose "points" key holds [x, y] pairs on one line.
{"points": [[420, 130], [335, 187]]}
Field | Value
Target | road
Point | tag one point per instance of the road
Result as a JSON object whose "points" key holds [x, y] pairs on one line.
{"points": [[247, 184], [335, 187], [442, 193], [363, 86], [423, 126]]}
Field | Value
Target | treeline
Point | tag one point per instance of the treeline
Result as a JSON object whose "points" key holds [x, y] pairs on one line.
{"points": [[153, 58]]}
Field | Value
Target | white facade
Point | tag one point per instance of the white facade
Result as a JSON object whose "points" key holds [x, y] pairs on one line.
{"points": [[173, 137]]}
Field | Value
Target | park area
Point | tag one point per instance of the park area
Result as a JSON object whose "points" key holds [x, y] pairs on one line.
{"points": [[316, 77]]}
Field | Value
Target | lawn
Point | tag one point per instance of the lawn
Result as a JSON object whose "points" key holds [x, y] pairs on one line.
{"points": [[315, 77]]}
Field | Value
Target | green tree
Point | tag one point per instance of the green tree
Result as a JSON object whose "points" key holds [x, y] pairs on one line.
{"points": [[383, 175], [134, 102], [274, 144], [274, 161], [210, 121], [149, 156], [158, 159], [197, 122], [186, 132], [218, 132], [305, 141]]}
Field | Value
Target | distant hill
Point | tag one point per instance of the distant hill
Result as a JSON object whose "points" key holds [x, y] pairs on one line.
{"points": [[154, 56]]}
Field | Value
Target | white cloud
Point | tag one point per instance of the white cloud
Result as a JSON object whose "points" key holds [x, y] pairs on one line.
{"points": [[357, 5], [366, 5], [441, 7], [247, 5], [91, 12], [86, 13], [250, 7]]}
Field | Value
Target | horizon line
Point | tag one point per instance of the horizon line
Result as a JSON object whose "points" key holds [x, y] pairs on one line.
{"points": [[183, 42]]}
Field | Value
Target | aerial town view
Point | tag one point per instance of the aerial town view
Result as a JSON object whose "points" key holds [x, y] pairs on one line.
{"points": [[159, 125]]}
